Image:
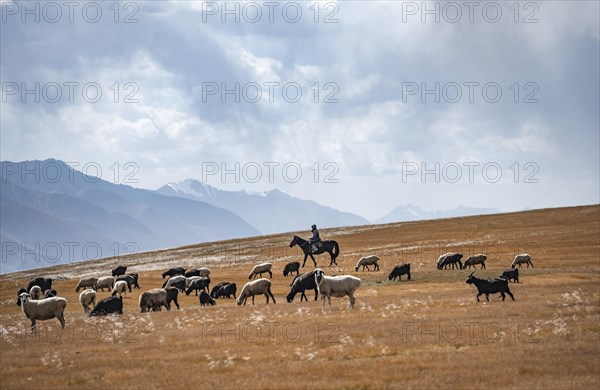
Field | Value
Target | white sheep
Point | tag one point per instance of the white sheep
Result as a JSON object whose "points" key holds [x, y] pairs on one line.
{"points": [[256, 287], [86, 282], [87, 298], [44, 309], [336, 286], [204, 272], [107, 282], [367, 261], [120, 288], [35, 292], [523, 258], [259, 269], [153, 299]]}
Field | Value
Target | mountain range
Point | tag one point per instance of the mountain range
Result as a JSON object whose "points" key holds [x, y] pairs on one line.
{"points": [[48, 219]]}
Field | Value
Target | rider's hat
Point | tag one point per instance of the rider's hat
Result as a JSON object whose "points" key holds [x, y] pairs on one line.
{"points": [[314, 227]]}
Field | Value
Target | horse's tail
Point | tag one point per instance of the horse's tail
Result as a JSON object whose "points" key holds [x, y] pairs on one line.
{"points": [[336, 249]]}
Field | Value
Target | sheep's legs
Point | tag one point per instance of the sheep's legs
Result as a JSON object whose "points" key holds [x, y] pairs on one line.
{"points": [[352, 300]]}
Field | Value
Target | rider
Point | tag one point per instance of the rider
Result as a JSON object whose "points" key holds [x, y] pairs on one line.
{"points": [[314, 240]]}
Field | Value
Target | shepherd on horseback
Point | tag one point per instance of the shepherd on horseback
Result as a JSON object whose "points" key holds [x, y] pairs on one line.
{"points": [[314, 246], [314, 241]]}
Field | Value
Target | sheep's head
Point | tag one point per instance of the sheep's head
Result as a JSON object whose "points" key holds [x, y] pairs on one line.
{"points": [[24, 296], [21, 290], [319, 275]]}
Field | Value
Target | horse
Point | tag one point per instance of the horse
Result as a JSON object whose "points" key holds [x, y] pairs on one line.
{"points": [[330, 247]]}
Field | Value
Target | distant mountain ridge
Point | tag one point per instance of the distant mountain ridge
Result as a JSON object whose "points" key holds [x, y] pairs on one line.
{"points": [[270, 212], [407, 213], [45, 222]]}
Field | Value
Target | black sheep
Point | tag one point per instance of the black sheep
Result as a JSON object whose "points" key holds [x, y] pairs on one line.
{"points": [[120, 270], [198, 284], [512, 273], [302, 283], [399, 270], [205, 299], [226, 291], [44, 283], [107, 306], [289, 268], [490, 286], [173, 272]]}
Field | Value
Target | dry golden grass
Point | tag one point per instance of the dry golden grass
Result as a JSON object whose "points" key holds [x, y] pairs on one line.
{"points": [[426, 333]]}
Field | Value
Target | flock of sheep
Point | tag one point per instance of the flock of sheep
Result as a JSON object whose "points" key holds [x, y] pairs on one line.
{"points": [[39, 300]]}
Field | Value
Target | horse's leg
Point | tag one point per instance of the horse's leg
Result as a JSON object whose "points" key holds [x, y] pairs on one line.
{"points": [[313, 259], [304, 262]]}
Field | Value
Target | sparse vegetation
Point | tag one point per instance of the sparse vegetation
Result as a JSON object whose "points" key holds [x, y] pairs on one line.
{"points": [[428, 332]]}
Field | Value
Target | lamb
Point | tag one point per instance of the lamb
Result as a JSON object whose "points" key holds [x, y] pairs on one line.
{"points": [[337, 286], [87, 298], [398, 271], [152, 299], [490, 286], [119, 288], [107, 306], [107, 282], [256, 287], [302, 283], [120, 270], [44, 309], [205, 299], [367, 261], [198, 284], [512, 273], [44, 283], [226, 290], [476, 259], [176, 281], [520, 259], [173, 272], [259, 269], [86, 283], [294, 266], [35, 292]]}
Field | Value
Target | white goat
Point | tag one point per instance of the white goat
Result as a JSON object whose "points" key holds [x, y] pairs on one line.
{"points": [[107, 282], [259, 269], [35, 292], [44, 309], [86, 282], [523, 258], [336, 286], [87, 298], [256, 287], [120, 288], [367, 261]]}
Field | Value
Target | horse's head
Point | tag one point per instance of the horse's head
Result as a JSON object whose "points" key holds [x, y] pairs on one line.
{"points": [[294, 241]]}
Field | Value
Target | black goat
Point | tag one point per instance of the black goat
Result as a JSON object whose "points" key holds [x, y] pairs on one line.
{"points": [[173, 272], [301, 284], [198, 284], [490, 286], [399, 270], [512, 273]]}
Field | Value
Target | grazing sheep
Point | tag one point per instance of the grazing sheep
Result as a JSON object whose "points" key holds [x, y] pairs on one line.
{"points": [[151, 299], [337, 286], [120, 270], [44, 283], [476, 259], [180, 280], [86, 283], [35, 292], [449, 259], [302, 283], [119, 288], [107, 306], [294, 266], [367, 261], [259, 269], [398, 271], [205, 299], [490, 286], [226, 291], [87, 298], [512, 273], [255, 287], [520, 259], [173, 272], [172, 293], [198, 284], [216, 288], [50, 293], [44, 309], [107, 282]]}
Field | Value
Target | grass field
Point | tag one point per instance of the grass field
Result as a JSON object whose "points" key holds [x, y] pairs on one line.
{"points": [[429, 332]]}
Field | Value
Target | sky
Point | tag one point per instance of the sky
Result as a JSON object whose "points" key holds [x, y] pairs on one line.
{"points": [[359, 105]]}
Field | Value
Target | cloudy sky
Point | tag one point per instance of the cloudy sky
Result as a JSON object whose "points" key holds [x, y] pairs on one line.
{"points": [[362, 105]]}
